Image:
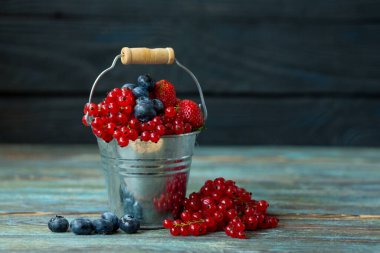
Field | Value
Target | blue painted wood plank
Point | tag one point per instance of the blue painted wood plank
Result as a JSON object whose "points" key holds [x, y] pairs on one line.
{"points": [[326, 199]]}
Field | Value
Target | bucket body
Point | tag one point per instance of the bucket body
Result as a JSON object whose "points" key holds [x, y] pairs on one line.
{"points": [[148, 180]]}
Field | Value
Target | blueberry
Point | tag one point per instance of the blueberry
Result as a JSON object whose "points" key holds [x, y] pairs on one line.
{"points": [[143, 99], [130, 86], [102, 226], [113, 218], [129, 224], [145, 81], [82, 226], [158, 105], [144, 112], [140, 92], [58, 224], [137, 210]]}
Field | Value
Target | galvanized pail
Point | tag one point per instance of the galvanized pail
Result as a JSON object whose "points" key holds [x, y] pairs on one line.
{"points": [[146, 179]]}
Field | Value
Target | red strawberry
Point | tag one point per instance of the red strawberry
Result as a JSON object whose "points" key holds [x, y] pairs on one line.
{"points": [[164, 91], [191, 113]]}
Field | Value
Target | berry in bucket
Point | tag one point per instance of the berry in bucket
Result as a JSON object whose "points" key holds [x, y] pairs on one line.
{"points": [[146, 137]]}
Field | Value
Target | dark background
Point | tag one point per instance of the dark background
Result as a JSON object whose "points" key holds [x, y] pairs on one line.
{"points": [[278, 72]]}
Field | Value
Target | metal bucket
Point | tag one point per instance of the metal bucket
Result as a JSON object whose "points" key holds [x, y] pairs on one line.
{"points": [[148, 180]]}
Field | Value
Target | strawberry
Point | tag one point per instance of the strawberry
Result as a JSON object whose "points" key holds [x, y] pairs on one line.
{"points": [[164, 91], [177, 102], [191, 113]]}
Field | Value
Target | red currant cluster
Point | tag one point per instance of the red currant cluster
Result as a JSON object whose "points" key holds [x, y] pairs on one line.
{"points": [[114, 118], [221, 205]]}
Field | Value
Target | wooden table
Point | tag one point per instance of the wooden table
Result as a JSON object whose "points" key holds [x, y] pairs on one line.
{"points": [[327, 199]]}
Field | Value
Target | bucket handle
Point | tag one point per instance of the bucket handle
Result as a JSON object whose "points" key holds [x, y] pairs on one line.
{"points": [[148, 56]]}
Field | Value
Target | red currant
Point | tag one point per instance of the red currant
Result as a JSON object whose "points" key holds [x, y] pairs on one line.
{"points": [[179, 129], [184, 231], [239, 226], [103, 109], [241, 235], [262, 206], [169, 129], [207, 190], [194, 196], [123, 141], [194, 229], [160, 129], [157, 120], [127, 109], [196, 216], [202, 228], [194, 205], [231, 214], [175, 231], [209, 208], [223, 208], [219, 205], [231, 191], [113, 107], [187, 128], [210, 223], [218, 216], [117, 133], [170, 112], [91, 109], [133, 134], [97, 122], [216, 195], [122, 119], [122, 101], [227, 202], [110, 128], [167, 223], [107, 137], [112, 117], [154, 137], [97, 132], [134, 123], [186, 215], [84, 121], [250, 222], [145, 136], [124, 130], [229, 230]]}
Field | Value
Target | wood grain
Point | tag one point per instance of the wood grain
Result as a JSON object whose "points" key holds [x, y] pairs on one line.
{"points": [[295, 180], [326, 199], [323, 9], [242, 47], [242, 121], [31, 234]]}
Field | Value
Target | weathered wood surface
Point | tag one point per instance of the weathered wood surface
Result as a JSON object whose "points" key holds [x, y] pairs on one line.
{"points": [[250, 50], [233, 47], [326, 198], [231, 120]]}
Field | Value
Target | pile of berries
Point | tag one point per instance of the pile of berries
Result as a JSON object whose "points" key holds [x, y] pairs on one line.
{"points": [[221, 205], [109, 223], [146, 110]]}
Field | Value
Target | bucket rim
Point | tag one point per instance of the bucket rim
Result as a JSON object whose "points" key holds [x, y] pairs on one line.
{"points": [[179, 135], [171, 136]]}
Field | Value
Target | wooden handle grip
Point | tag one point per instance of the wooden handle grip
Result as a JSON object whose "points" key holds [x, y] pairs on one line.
{"points": [[143, 55]]}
